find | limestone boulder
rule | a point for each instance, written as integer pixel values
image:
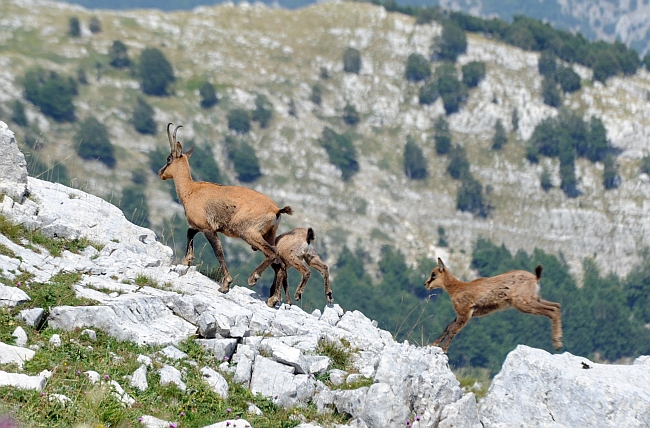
(536, 388)
(12, 296)
(13, 167)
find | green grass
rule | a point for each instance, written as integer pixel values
(474, 379)
(18, 234)
(6, 251)
(94, 405)
(56, 292)
(339, 353)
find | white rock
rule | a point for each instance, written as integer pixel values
(643, 359)
(288, 355)
(238, 331)
(120, 394)
(252, 409)
(55, 340)
(93, 376)
(332, 314)
(144, 360)
(353, 377)
(243, 370)
(277, 382)
(536, 388)
(317, 363)
(215, 381)
(12, 296)
(145, 320)
(23, 381)
(231, 423)
(152, 422)
(222, 349)
(20, 336)
(462, 413)
(139, 378)
(337, 376)
(90, 333)
(173, 353)
(13, 167)
(60, 398)
(15, 354)
(31, 317)
(169, 374)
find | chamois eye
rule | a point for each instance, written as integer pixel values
(433, 275)
(169, 159)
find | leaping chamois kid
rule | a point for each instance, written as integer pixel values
(517, 288)
(235, 211)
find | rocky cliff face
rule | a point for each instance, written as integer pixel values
(274, 351)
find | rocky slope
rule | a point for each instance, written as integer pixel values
(285, 51)
(272, 351)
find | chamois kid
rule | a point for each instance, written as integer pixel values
(517, 288)
(295, 248)
(235, 211)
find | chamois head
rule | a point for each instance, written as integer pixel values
(437, 278)
(176, 158)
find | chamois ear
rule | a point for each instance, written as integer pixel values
(441, 265)
(189, 152)
(179, 150)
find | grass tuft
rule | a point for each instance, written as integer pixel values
(339, 353)
(55, 246)
(474, 379)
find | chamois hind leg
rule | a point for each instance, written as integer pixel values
(304, 271)
(321, 267)
(279, 282)
(214, 241)
(271, 257)
(189, 251)
(551, 310)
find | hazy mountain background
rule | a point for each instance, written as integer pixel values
(376, 221)
(609, 20)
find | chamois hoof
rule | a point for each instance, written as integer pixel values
(558, 345)
(271, 302)
(224, 289)
(297, 296)
(253, 280)
(329, 298)
(187, 262)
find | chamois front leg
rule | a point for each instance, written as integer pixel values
(189, 251)
(279, 279)
(271, 257)
(279, 282)
(450, 331)
(214, 241)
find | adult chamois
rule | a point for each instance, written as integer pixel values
(235, 211)
(295, 248)
(517, 288)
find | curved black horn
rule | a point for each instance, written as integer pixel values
(169, 135)
(179, 126)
